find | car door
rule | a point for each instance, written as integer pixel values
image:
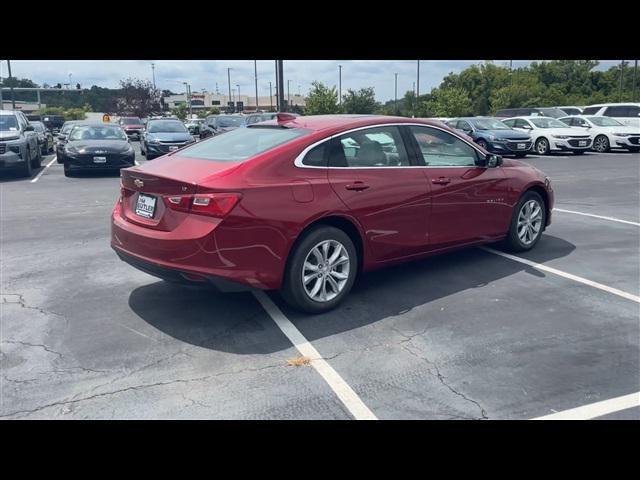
(370, 171)
(469, 202)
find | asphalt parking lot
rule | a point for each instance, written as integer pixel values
(468, 335)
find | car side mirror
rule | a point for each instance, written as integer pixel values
(493, 161)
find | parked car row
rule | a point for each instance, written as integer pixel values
(20, 145)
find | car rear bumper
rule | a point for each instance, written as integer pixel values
(179, 275)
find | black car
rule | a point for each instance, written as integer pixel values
(97, 146)
(53, 122)
(45, 137)
(61, 138)
(163, 136)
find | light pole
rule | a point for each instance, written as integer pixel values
(635, 70)
(153, 73)
(255, 68)
(621, 76)
(229, 80)
(415, 101)
(339, 84)
(280, 86)
(395, 102)
(239, 99)
(188, 93)
(288, 95)
(70, 79)
(270, 98)
(13, 99)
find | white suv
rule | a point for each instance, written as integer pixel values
(627, 113)
(608, 132)
(549, 134)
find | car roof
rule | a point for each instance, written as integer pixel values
(344, 122)
(623, 104)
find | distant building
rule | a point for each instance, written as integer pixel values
(26, 107)
(206, 100)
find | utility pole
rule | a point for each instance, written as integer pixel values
(153, 73)
(288, 95)
(229, 80)
(415, 100)
(279, 88)
(511, 71)
(635, 71)
(270, 98)
(13, 99)
(418, 83)
(255, 68)
(621, 75)
(339, 84)
(395, 102)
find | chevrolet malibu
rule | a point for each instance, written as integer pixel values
(305, 204)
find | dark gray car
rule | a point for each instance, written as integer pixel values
(19, 149)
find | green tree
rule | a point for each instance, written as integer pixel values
(449, 102)
(181, 111)
(138, 97)
(322, 100)
(362, 101)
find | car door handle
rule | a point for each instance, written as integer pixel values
(357, 186)
(441, 180)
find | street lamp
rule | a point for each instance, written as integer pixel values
(340, 84)
(229, 80)
(188, 93)
(395, 103)
(153, 73)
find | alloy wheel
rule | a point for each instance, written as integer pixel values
(529, 222)
(601, 144)
(326, 270)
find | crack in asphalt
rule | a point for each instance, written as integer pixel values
(27, 344)
(22, 302)
(135, 388)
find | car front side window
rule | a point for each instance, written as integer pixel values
(441, 149)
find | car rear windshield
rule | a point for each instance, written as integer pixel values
(553, 112)
(171, 126)
(225, 122)
(131, 121)
(547, 122)
(238, 145)
(489, 124)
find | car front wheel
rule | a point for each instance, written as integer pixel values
(542, 146)
(601, 144)
(321, 270)
(527, 223)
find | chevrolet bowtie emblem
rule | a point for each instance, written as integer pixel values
(139, 183)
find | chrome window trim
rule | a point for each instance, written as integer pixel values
(298, 160)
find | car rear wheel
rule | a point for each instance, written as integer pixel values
(527, 223)
(542, 146)
(67, 170)
(36, 162)
(28, 165)
(321, 270)
(601, 144)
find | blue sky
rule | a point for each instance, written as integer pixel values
(204, 74)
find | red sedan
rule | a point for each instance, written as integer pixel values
(303, 204)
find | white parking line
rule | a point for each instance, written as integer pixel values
(47, 166)
(597, 216)
(575, 278)
(597, 409)
(345, 393)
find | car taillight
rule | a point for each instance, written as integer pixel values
(211, 204)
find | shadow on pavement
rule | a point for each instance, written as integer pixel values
(235, 323)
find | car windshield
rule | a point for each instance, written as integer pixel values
(242, 143)
(225, 122)
(89, 132)
(547, 122)
(169, 126)
(131, 121)
(489, 124)
(37, 126)
(605, 121)
(67, 127)
(553, 112)
(8, 122)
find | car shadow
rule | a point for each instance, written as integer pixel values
(235, 323)
(8, 176)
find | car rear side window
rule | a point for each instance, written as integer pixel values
(242, 143)
(372, 147)
(441, 149)
(617, 111)
(590, 110)
(316, 157)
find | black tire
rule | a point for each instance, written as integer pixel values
(27, 168)
(37, 161)
(483, 144)
(541, 146)
(513, 241)
(293, 290)
(67, 171)
(602, 143)
(44, 150)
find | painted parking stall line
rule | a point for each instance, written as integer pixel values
(570, 276)
(612, 219)
(345, 393)
(37, 177)
(598, 409)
